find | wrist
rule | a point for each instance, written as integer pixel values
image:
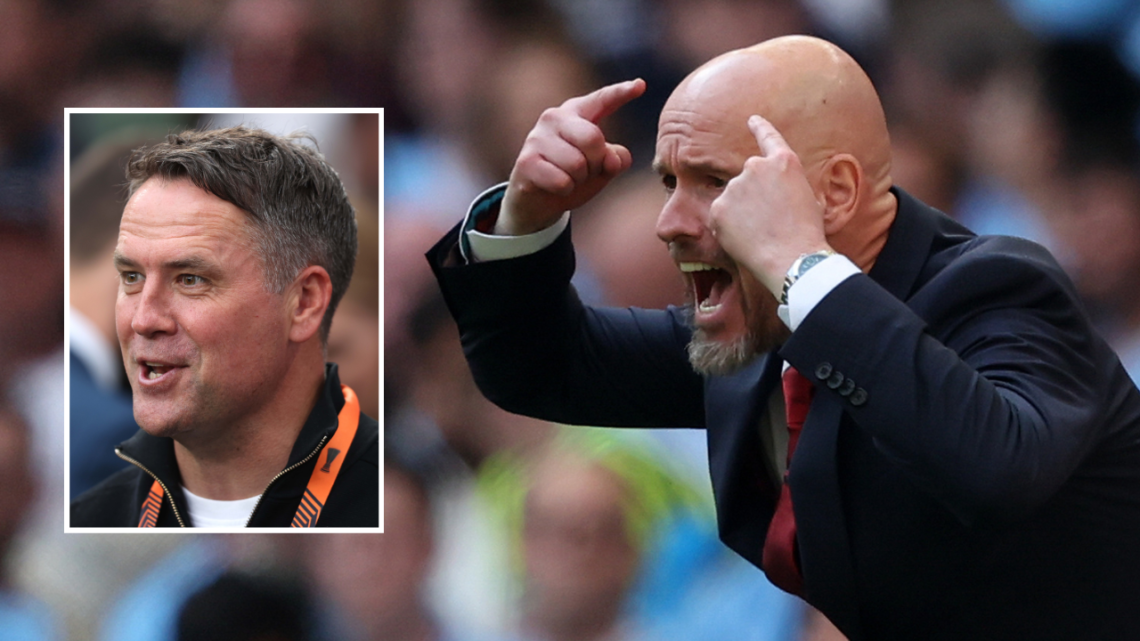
(510, 221)
(800, 266)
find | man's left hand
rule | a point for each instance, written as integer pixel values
(768, 216)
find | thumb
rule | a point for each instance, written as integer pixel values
(617, 159)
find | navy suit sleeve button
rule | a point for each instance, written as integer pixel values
(846, 388)
(823, 370)
(858, 397)
(835, 380)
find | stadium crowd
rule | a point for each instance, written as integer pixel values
(1017, 117)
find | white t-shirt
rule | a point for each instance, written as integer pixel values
(210, 513)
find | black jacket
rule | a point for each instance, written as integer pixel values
(353, 502)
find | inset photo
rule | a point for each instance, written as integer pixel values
(224, 320)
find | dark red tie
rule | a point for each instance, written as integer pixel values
(779, 560)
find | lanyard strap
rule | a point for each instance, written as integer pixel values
(320, 483)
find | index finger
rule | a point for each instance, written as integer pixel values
(603, 102)
(768, 137)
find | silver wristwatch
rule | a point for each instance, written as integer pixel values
(801, 267)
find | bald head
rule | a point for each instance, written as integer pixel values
(812, 91)
(821, 103)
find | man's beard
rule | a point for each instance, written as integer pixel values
(765, 332)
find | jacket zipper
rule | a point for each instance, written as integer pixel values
(283, 473)
(165, 490)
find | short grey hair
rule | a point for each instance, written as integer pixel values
(300, 212)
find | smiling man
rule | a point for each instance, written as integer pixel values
(234, 249)
(912, 427)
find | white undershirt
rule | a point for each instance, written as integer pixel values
(210, 513)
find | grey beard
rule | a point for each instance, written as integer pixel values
(711, 358)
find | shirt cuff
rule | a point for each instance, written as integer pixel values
(476, 246)
(485, 247)
(813, 286)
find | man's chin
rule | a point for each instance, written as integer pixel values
(716, 358)
(158, 423)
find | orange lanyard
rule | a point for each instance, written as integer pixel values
(320, 483)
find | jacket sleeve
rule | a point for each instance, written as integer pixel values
(534, 349)
(989, 397)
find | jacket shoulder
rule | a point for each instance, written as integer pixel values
(111, 503)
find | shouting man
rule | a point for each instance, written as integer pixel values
(910, 426)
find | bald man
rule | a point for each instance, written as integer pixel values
(966, 448)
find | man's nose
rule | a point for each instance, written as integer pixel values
(682, 216)
(151, 314)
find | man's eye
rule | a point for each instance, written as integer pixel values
(669, 181)
(189, 280)
(131, 278)
(717, 183)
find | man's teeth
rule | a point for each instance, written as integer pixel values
(155, 370)
(695, 267)
(707, 308)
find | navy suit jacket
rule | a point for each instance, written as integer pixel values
(969, 468)
(99, 421)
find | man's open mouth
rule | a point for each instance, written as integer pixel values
(709, 284)
(152, 370)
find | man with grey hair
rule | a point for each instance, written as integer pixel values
(234, 248)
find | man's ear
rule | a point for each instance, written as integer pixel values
(308, 300)
(842, 182)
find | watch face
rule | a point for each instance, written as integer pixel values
(810, 261)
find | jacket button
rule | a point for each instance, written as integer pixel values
(835, 380)
(823, 370)
(846, 388)
(858, 397)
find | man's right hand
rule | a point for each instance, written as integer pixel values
(565, 161)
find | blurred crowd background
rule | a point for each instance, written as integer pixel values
(1014, 116)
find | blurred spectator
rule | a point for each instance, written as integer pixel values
(696, 31)
(135, 68)
(101, 411)
(378, 582)
(21, 617)
(612, 544)
(617, 239)
(406, 280)
(1096, 102)
(579, 549)
(972, 134)
(240, 606)
(448, 424)
(266, 53)
(443, 53)
(1103, 231)
(526, 78)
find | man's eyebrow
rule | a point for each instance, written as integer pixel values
(122, 262)
(702, 167)
(191, 263)
(709, 167)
